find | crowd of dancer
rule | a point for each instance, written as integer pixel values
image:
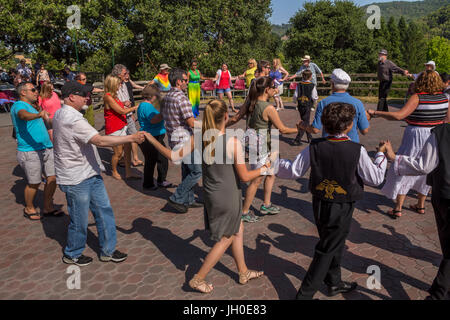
(57, 142)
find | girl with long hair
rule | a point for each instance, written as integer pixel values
(261, 115)
(222, 169)
(116, 125)
(49, 101)
(279, 74)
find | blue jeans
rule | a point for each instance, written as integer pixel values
(89, 194)
(190, 173)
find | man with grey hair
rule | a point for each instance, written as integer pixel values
(179, 120)
(340, 81)
(120, 71)
(34, 150)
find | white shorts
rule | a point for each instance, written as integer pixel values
(119, 133)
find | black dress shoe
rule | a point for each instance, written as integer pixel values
(181, 208)
(344, 287)
(195, 204)
(296, 143)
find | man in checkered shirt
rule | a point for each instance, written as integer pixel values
(179, 120)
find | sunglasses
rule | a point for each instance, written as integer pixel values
(83, 79)
(184, 80)
(32, 90)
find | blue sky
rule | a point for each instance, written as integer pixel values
(283, 10)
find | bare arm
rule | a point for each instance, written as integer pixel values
(283, 70)
(136, 86)
(407, 109)
(156, 119)
(191, 122)
(168, 153)
(116, 107)
(111, 141)
(238, 116)
(365, 131)
(239, 162)
(274, 117)
(27, 116)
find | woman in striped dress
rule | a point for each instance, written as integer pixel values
(425, 109)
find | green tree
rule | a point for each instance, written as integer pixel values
(439, 22)
(334, 34)
(414, 48)
(394, 42)
(439, 51)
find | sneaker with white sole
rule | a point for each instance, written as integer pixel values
(80, 261)
(117, 256)
(270, 209)
(250, 217)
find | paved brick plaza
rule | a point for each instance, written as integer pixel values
(165, 249)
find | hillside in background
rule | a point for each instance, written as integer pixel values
(409, 10)
(280, 30)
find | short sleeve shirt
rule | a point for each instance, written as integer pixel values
(359, 122)
(146, 112)
(175, 111)
(75, 158)
(31, 135)
(314, 68)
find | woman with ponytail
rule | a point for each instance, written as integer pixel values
(260, 117)
(223, 168)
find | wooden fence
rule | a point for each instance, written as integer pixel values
(363, 84)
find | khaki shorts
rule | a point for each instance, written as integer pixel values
(34, 163)
(119, 133)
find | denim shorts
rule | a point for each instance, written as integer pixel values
(223, 90)
(34, 163)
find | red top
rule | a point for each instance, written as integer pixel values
(224, 80)
(113, 120)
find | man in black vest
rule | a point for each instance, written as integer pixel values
(339, 168)
(434, 160)
(306, 96)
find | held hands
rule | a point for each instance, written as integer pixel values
(138, 137)
(44, 115)
(386, 147)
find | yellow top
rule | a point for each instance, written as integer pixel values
(249, 76)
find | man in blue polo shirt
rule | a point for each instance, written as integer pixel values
(34, 151)
(340, 81)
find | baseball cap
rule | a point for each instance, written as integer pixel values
(74, 87)
(383, 51)
(306, 58)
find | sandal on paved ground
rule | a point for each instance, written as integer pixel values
(416, 209)
(30, 215)
(138, 164)
(200, 285)
(249, 275)
(54, 213)
(394, 214)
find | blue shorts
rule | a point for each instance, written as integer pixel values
(223, 90)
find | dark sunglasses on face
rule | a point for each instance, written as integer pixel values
(184, 80)
(33, 89)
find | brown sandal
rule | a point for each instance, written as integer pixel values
(200, 285)
(249, 275)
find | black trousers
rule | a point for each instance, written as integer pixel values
(441, 284)
(305, 114)
(333, 221)
(383, 91)
(152, 158)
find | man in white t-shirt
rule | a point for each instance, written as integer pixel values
(78, 167)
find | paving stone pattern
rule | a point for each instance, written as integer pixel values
(166, 249)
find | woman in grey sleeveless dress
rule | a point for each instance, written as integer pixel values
(223, 168)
